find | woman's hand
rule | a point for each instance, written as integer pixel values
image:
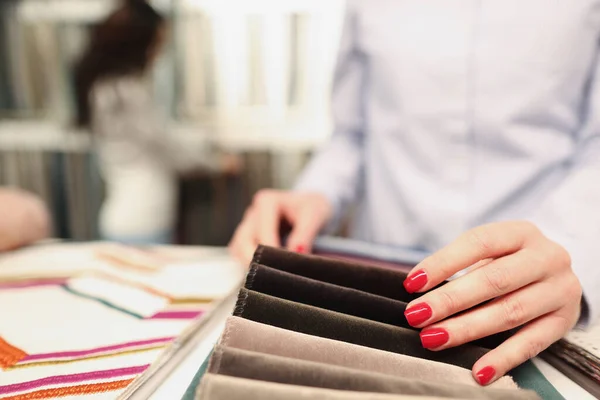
(305, 212)
(528, 279)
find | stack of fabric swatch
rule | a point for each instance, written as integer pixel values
(87, 320)
(577, 356)
(313, 327)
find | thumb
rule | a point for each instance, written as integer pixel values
(307, 225)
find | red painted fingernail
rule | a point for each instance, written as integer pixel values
(300, 249)
(485, 375)
(415, 281)
(418, 314)
(434, 337)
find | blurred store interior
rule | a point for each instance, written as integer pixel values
(250, 79)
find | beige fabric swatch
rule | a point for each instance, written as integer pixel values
(250, 335)
(270, 368)
(220, 387)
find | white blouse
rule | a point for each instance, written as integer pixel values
(453, 113)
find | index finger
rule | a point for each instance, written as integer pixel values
(486, 241)
(307, 225)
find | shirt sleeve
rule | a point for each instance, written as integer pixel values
(571, 214)
(336, 168)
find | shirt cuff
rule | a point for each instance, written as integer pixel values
(333, 225)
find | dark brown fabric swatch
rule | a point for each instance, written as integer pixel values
(316, 321)
(381, 281)
(300, 289)
(373, 293)
(265, 367)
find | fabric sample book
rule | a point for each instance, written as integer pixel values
(333, 325)
(578, 356)
(93, 318)
(314, 327)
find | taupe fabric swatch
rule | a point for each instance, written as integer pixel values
(250, 335)
(221, 387)
(316, 321)
(265, 367)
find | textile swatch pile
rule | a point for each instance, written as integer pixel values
(309, 327)
(88, 320)
(577, 356)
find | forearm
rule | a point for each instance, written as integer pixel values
(23, 219)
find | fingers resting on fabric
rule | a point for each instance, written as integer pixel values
(306, 212)
(516, 278)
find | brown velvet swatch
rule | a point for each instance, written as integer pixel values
(350, 288)
(250, 335)
(333, 325)
(300, 289)
(221, 387)
(265, 367)
(384, 282)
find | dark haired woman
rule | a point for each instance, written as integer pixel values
(137, 158)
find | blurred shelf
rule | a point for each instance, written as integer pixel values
(43, 136)
(235, 137)
(80, 11)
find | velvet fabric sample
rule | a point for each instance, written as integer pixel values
(270, 368)
(384, 282)
(221, 387)
(333, 325)
(350, 288)
(249, 335)
(300, 289)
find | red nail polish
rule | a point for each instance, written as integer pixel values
(485, 375)
(434, 337)
(415, 281)
(418, 314)
(300, 249)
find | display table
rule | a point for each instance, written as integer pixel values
(174, 373)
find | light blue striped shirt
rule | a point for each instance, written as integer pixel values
(452, 114)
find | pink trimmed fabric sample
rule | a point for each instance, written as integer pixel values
(86, 326)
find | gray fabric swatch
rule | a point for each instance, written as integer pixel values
(221, 387)
(265, 367)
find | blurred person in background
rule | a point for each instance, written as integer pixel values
(24, 219)
(138, 159)
(472, 120)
